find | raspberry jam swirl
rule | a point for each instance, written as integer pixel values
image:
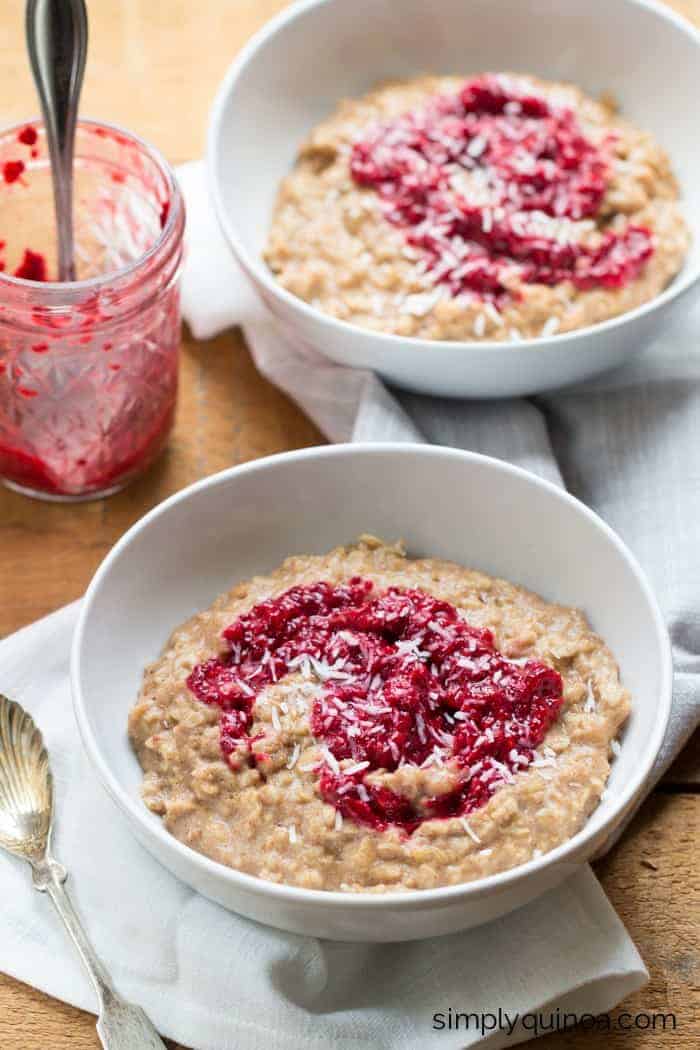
(405, 681)
(494, 183)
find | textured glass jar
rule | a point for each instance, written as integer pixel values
(88, 369)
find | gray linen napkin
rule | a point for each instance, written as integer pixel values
(627, 444)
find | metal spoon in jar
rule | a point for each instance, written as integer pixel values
(57, 36)
(26, 815)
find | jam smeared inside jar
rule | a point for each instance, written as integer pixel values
(405, 681)
(88, 369)
(12, 170)
(28, 136)
(496, 184)
(32, 267)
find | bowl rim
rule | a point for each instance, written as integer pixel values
(253, 266)
(569, 850)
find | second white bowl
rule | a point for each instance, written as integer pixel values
(295, 70)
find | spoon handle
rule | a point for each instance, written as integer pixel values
(57, 35)
(120, 1025)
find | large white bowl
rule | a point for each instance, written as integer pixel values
(477, 511)
(297, 68)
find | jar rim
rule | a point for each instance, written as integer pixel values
(175, 215)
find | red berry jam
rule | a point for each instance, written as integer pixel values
(12, 170)
(32, 267)
(488, 182)
(406, 681)
(28, 136)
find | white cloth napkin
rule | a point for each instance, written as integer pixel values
(215, 981)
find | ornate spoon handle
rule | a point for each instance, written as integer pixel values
(57, 33)
(120, 1025)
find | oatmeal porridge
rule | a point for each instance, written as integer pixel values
(498, 208)
(366, 721)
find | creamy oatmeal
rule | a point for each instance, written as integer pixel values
(365, 721)
(498, 208)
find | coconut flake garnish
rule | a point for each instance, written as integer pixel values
(330, 759)
(550, 327)
(491, 310)
(470, 831)
(421, 303)
(540, 763)
(590, 704)
(294, 756)
(357, 768)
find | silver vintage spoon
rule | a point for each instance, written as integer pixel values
(57, 36)
(26, 814)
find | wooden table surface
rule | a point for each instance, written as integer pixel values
(154, 67)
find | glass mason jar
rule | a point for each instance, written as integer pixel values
(88, 369)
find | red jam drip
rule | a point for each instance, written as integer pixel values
(406, 681)
(32, 267)
(12, 170)
(28, 136)
(527, 161)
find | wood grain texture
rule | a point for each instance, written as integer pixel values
(149, 61)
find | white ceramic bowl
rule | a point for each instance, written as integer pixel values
(451, 504)
(296, 69)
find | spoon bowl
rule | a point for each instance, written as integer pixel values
(26, 784)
